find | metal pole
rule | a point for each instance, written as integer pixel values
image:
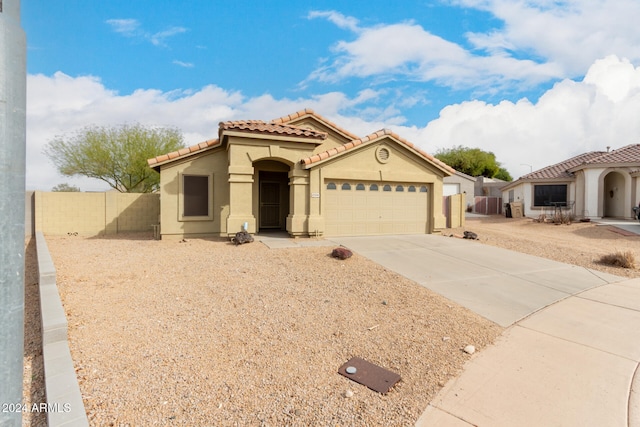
(13, 83)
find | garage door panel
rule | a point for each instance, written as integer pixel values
(349, 211)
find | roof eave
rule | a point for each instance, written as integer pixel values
(271, 136)
(307, 113)
(604, 165)
(156, 162)
(328, 156)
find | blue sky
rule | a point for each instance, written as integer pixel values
(534, 82)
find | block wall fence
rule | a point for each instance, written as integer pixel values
(92, 214)
(453, 208)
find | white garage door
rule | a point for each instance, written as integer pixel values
(366, 208)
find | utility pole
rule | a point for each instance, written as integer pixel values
(13, 94)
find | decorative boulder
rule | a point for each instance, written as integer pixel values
(341, 253)
(470, 235)
(242, 237)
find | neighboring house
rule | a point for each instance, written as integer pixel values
(303, 174)
(592, 185)
(489, 187)
(460, 183)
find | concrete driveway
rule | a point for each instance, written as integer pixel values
(569, 356)
(501, 285)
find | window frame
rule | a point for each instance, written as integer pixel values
(181, 198)
(549, 198)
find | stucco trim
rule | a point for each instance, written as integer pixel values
(385, 134)
(279, 138)
(309, 113)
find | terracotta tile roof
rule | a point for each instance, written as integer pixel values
(374, 136)
(563, 170)
(626, 154)
(279, 126)
(310, 112)
(249, 126)
(183, 152)
(258, 126)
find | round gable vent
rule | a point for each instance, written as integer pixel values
(383, 154)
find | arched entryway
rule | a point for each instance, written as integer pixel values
(271, 195)
(614, 194)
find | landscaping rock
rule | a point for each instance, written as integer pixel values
(469, 349)
(341, 253)
(470, 235)
(242, 237)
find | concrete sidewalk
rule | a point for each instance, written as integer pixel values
(570, 364)
(282, 240)
(571, 350)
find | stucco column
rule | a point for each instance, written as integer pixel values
(316, 190)
(439, 220)
(593, 204)
(240, 199)
(298, 218)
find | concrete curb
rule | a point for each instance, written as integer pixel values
(634, 399)
(64, 400)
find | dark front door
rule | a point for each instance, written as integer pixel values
(269, 204)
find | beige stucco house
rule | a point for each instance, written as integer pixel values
(303, 174)
(592, 185)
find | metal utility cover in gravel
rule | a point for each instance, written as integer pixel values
(373, 376)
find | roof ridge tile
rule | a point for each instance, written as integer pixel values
(311, 112)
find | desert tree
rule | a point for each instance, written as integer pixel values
(116, 155)
(65, 188)
(473, 162)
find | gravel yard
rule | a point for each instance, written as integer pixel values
(206, 333)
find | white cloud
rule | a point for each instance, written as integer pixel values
(340, 20)
(158, 39)
(132, 28)
(407, 51)
(126, 27)
(184, 64)
(569, 119)
(568, 33)
(563, 37)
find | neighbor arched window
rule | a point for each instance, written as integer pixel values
(400, 188)
(360, 187)
(346, 186)
(423, 189)
(373, 187)
(387, 187)
(331, 186)
(412, 189)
